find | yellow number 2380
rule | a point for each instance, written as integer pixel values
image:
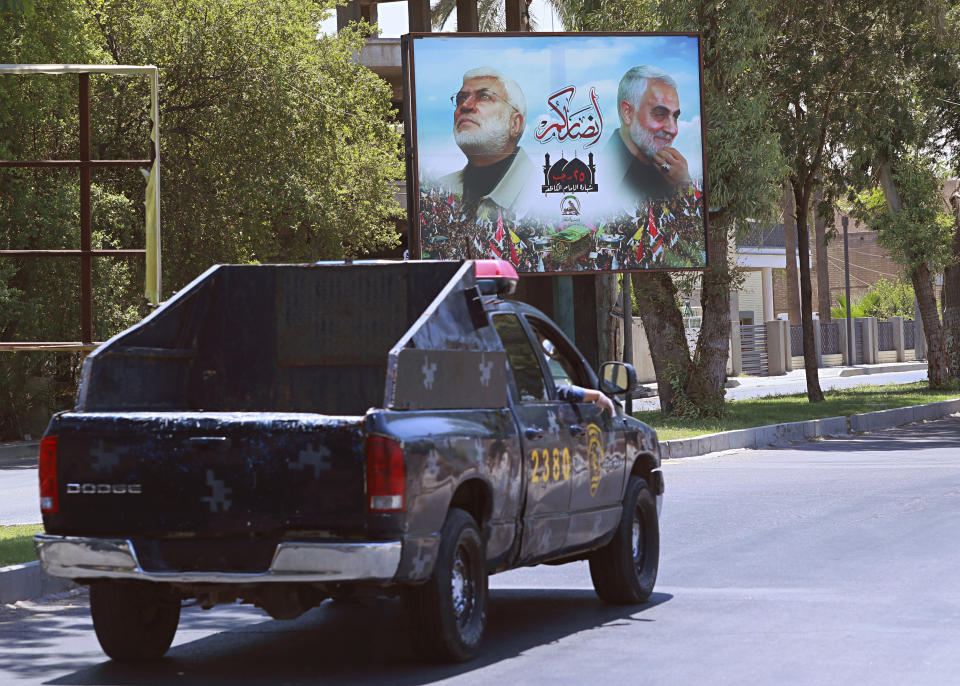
(549, 466)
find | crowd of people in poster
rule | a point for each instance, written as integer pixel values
(624, 200)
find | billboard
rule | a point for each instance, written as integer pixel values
(561, 153)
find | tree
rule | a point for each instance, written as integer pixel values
(951, 293)
(897, 135)
(790, 250)
(814, 65)
(820, 245)
(943, 103)
(275, 146)
(745, 174)
(908, 212)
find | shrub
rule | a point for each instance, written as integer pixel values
(884, 300)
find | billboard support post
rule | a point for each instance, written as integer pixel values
(626, 292)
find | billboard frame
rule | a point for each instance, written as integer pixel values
(408, 75)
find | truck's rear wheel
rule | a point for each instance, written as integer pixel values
(134, 620)
(449, 612)
(625, 570)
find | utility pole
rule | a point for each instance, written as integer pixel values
(846, 274)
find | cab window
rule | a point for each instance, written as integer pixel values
(527, 374)
(564, 365)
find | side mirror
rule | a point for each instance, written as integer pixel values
(617, 377)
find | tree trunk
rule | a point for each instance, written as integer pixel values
(951, 295)
(814, 394)
(823, 260)
(663, 324)
(938, 372)
(706, 384)
(790, 243)
(606, 329)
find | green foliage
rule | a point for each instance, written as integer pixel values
(275, 145)
(24, 7)
(884, 300)
(922, 232)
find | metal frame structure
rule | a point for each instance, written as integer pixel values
(85, 164)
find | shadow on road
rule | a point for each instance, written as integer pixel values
(941, 433)
(344, 642)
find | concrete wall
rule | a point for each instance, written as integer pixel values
(751, 295)
(642, 360)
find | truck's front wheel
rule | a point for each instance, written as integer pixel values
(134, 620)
(449, 612)
(625, 570)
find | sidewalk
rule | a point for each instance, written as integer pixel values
(826, 373)
(794, 381)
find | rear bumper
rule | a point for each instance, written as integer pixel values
(73, 557)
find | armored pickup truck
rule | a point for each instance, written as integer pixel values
(286, 434)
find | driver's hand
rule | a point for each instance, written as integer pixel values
(604, 403)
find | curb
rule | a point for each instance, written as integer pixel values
(29, 581)
(776, 435)
(880, 369)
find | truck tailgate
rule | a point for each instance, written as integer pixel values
(196, 473)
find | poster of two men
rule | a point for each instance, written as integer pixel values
(560, 153)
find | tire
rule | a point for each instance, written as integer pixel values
(625, 570)
(449, 611)
(134, 620)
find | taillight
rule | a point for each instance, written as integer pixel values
(48, 474)
(386, 475)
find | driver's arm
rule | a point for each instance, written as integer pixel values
(578, 394)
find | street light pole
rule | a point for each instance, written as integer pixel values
(846, 274)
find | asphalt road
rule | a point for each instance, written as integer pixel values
(829, 562)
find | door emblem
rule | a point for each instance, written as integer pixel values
(595, 456)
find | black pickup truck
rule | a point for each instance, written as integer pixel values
(285, 434)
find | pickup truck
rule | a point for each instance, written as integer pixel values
(285, 434)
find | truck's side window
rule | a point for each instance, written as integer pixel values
(564, 366)
(523, 360)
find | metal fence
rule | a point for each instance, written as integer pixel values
(909, 335)
(753, 349)
(858, 342)
(796, 339)
(885, 336)
(830, 338)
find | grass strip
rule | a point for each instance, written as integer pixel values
(780, 409)
(16, 543)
